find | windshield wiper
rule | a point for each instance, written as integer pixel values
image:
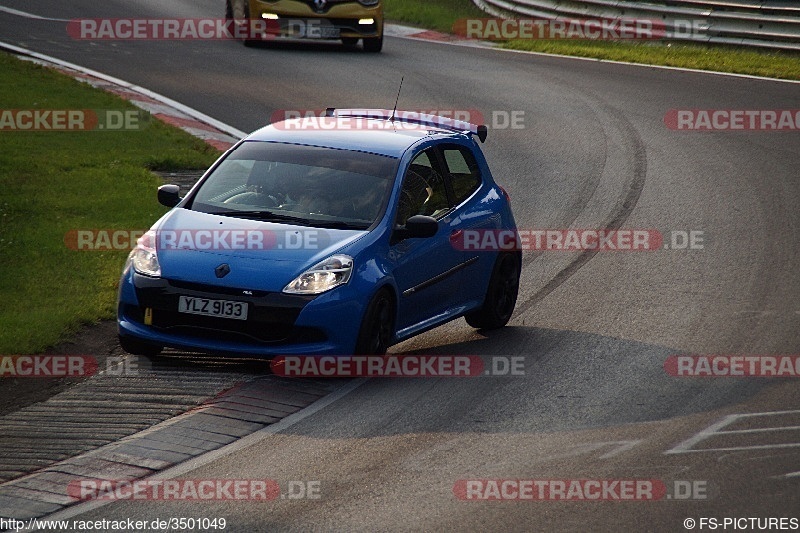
(268, 216)
(337, 224)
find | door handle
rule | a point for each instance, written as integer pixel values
(457, 237)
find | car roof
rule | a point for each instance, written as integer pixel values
(377, 136)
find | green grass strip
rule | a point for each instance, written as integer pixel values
(52, 182)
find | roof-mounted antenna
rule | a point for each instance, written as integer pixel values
(394, 111)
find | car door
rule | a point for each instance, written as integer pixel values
(425, 269)
(463, 177)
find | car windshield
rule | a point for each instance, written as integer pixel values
(306, 185)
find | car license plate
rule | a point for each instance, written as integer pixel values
(328, 32)
(311, 29)
(218, 308)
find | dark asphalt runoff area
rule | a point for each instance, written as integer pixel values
(594, 329)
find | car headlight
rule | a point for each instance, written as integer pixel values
(144, 257)
(323, 276)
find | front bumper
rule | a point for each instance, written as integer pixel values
(311, 28)
(277, 323)
(297, 19)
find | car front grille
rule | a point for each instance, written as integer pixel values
(271, 316)
(323, 8)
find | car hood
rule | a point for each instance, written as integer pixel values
(261, 255)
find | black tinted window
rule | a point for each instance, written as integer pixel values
(423, 191)
(464, 171)
(317, 185)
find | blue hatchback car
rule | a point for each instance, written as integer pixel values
(334, 237)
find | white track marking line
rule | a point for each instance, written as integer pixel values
(771, 413)
(741, 448)
(622, 446)
(28, 15)
(758, 430)
(713, 430)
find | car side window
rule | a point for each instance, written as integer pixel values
(465, 175)
(423, 191)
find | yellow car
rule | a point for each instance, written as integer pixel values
(345, 20)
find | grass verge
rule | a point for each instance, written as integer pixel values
(52, 182)
(436, 15)
(440, 15)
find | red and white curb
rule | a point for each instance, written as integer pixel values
(212, 131)
(417, 34)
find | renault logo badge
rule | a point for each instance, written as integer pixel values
(223, 270)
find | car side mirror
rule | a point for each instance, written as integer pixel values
(417, 227)
(169, 195)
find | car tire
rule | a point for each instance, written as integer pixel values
(246, 17)
(137, 347)
(248, 42)
(501, 296)
(349, 42)
(377, 327)
(373, 45)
